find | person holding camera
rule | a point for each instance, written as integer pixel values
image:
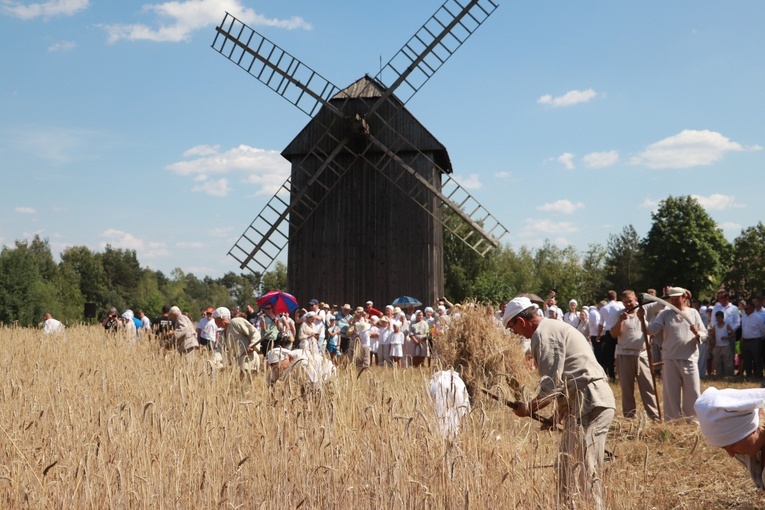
(111, 322)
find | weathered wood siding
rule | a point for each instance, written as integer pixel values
(367, 239)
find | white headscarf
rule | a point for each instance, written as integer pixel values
(729, 415)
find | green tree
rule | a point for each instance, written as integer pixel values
(593, 284)
(623, 260)
(275, 279)
(148, 296)
(123, 272)
(747, 273)
(559, 269)
(24, 295)
(66, 283)
(685, 247)
(39, 250)
(462, 264)
(88, 267)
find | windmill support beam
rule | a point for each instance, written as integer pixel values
(295, 200)
(475, 226)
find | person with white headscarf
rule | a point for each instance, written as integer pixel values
(310, 371)
(129, 326)
(730, 419)
(308, 336)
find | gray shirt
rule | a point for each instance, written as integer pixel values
(678, 340)
(568, 369)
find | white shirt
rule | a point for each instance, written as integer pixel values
(593, 321)
(572, 318)
(385, 333)
(732, 316)
(752, 327)
(210, 332)
(609, 314)
(52, 325)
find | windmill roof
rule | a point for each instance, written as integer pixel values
(367, 89)
(364, 87)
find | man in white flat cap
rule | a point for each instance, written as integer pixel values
(572, 379)
(680, 341)
(730, 419)
(239, 341)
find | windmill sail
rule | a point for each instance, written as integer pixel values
(432, 45)
(272, 66)
(341, 134)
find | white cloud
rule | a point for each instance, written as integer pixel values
(538, 242)
(600, 159)
(687, 149)
(194, 244)
(730, 225)
(177, 20)
(127, 241)
(62, 46)
(562, 206)
(567, 160)
(265, 168)
(47, 9)
(216, 188)
(649, 204)
(26, 210)
(472, 181)
(718, 202)
(534, 227)
(220, 231)
(570, 98)
(503, 175)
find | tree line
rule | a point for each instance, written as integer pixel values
(32, 283)
(684, 247)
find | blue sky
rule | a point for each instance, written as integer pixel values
(568, 121)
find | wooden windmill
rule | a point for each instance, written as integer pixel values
(361, 211)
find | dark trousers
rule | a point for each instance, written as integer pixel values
(609, 354)
(751, 357)
(597, 349)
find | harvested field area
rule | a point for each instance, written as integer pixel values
(87, 422)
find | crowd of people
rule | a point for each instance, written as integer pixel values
(316, 339)
(628, 337)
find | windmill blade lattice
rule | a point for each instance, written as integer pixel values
(268, 234)
(274, 67)
(431, 46)
(407, 72)
(472, 223)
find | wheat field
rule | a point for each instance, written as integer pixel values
(90, 422)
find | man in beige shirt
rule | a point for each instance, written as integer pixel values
(632, 360)
(184, 333)
(239, 341)
(572, 379)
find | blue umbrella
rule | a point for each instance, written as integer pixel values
(405, 301)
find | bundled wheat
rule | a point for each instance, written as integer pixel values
(485, 355)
